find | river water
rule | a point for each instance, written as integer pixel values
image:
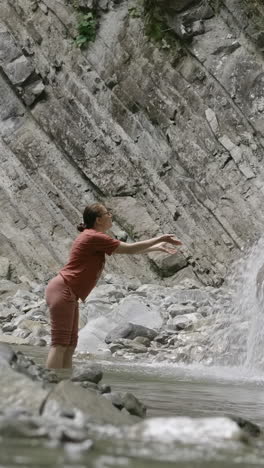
(167, 391)
(176, 391)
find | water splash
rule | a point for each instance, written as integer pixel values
(239, 333)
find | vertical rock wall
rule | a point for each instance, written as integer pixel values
(170, 134)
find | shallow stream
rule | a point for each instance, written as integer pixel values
(171, 390)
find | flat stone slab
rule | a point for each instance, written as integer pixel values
(19, 391)
(67, 395)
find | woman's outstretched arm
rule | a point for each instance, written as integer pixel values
(144, 246)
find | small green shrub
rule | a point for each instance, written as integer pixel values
(86, 29)
(135, 12)
(156, 28)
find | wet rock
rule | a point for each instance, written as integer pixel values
(162, 338)
(19, 390)
(67, 395)
(35, 341)
(27, 428)
(127, 401)
(133, 405)
(115, 398)
(10, 339)
(27, 366)
(184, 321)
(92, 374)
(249, 427)
(104, 388)
(90, 385)
(6, 353)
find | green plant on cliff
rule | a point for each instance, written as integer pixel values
(86, 28)
(216, 5)
(155, 23)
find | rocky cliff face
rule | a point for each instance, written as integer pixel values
(168, 130)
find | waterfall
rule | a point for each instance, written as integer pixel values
(238, 336)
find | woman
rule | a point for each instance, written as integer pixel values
(80, 275)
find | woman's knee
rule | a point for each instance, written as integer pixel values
(70, 349)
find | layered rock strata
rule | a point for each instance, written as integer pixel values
(169, 133)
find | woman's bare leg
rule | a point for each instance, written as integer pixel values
(67, 358)
(55, 357)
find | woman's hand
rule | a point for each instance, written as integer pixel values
(162, 247)
(170, 239)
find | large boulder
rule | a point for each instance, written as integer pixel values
(127, 401)
(137, 310)
(18, 390)
(130, 331)
(67, 395)
(89, 373)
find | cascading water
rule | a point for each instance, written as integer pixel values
(231, 328)
(239, 330)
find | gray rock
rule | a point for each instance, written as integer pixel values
(180, 309)
(9, 328)
(116, 399)
(104, 388)
(27, 428)
(127, 401)
(7, 287)
(130, 331)
(89, 385)
(249, 427)
(184, 321)
(133, 405)
(142, 340)
(32, 92)
(18, 70)
(197, 28)
(6, 353)
(121, 331)
(172, 264)
(4, 268)
(128, 345)
(19, 390)
(9, 50)
(67, 395)
(92, 374)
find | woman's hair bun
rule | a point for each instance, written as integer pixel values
(81, 227)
